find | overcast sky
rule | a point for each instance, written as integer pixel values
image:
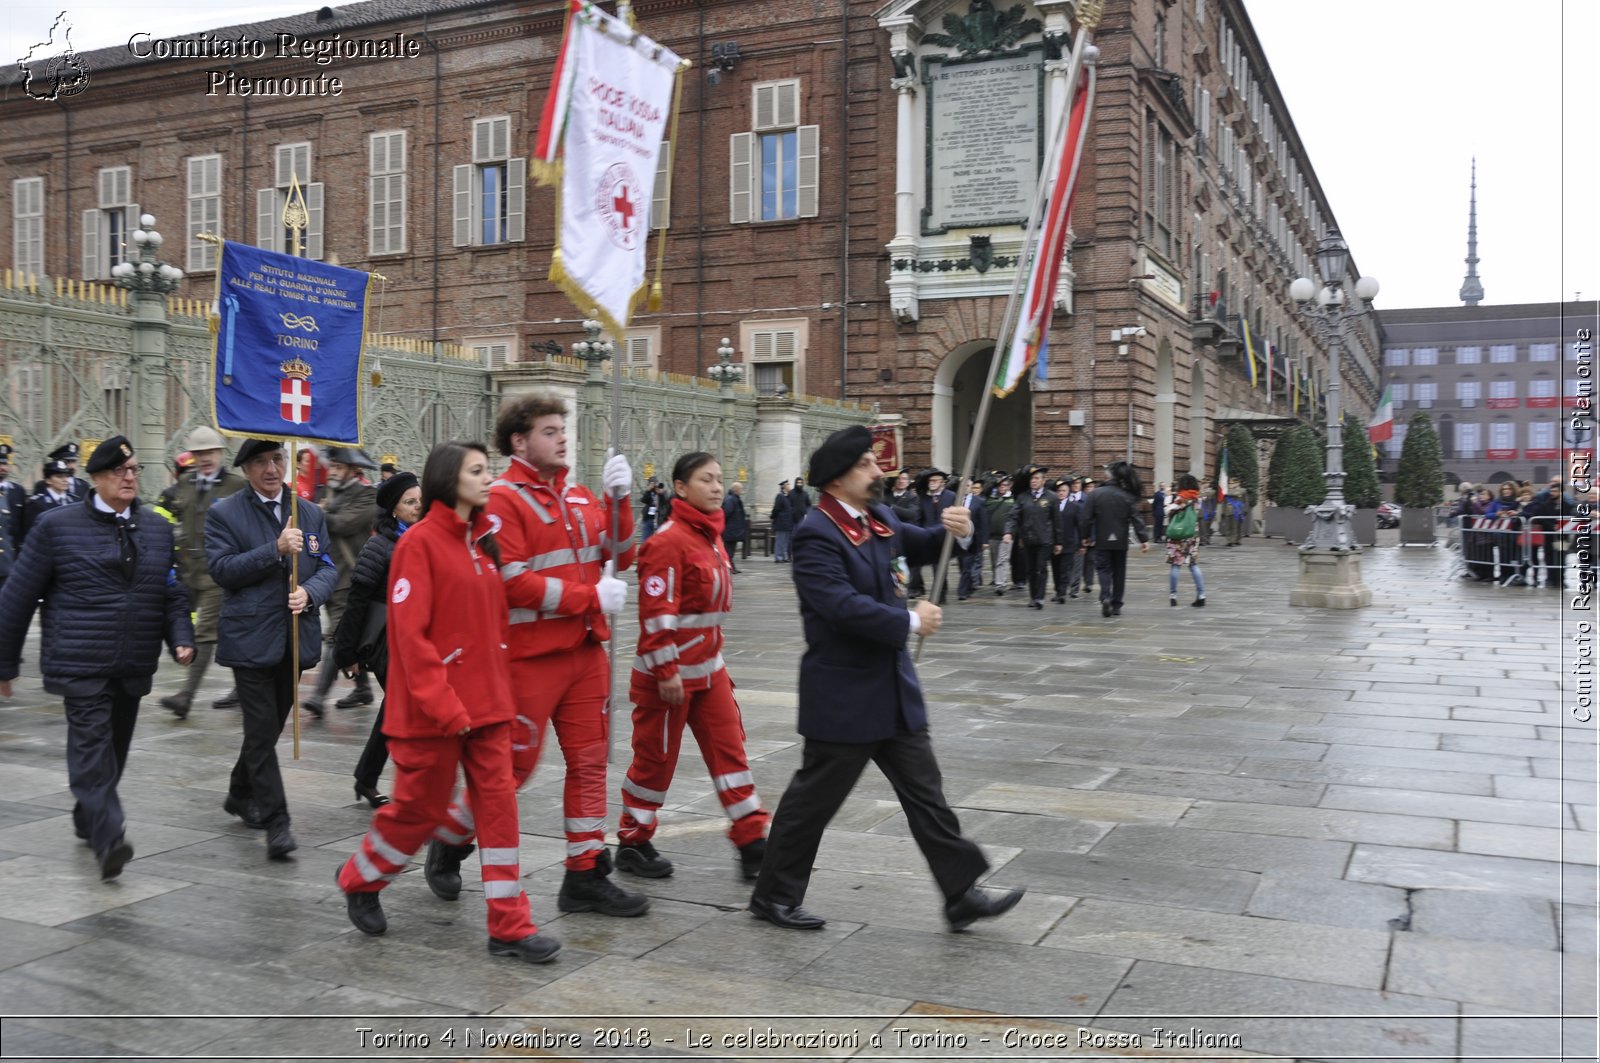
(1392, 99)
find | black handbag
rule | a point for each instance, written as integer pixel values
(373, 649)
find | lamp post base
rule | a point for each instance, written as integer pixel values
(1330, 580)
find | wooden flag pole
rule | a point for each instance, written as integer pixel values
(1088, 13)
(295, 219)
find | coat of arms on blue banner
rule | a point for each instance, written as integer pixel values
(288, 347)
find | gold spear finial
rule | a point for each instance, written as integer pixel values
(1089, 13)
(295, 216)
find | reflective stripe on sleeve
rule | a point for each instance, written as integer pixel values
(492, 857)
(700, 671)
(552, 595)
(701, 619)
(741, 809)
(552, 559)
(499, 891)
(584, 824)
(665, 622)
(524, 616)
(642, 816)
(579, 848)
(647, 661)
(385, 850)
(513, 570)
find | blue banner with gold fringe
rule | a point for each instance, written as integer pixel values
(288, 347)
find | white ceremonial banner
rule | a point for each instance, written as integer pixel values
(618, 103)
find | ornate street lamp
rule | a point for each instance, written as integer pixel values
(594, 350)
(149, 281)
(725, 372)
(1330, 561)
(148, 276)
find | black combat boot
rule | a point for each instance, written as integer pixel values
(592, 891)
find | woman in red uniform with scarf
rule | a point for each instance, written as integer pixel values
(449, 704)
(686, 594)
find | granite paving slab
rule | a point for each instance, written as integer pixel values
(1214, 848)
(1295, 1018)
(1335, 955)
(1476, 972)
(1535, 843)
(1014, 830)
(1474, 915)
(1354, 775)
(1076, 804)
(1328, 824)
(1145, 881)
(49, 892)
(1304, 898)
(29, 941)
(1422, 868)
(1501, 1034)
(1447, 806)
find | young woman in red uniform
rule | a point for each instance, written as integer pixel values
(449, 704)
(686, 593)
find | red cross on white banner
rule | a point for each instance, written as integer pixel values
(294, 400)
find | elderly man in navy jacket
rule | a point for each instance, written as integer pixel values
(249, 547)
(103, 566)
(859, 695)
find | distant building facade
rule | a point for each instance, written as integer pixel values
(845, 202)
(1500, 382)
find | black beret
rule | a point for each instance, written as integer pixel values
(112, 454)
(390, 490)
(390, 466)
(838, 454)
(65, 452)
(252, 447)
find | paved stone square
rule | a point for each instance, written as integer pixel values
(1263, 831)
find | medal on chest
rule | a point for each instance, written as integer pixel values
(900, 572)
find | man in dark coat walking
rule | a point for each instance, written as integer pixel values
(859, 695)
(782, 518)
(249, 547)
(735, 522)
(104, 569)
(1032, 524)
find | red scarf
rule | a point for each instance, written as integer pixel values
(708, 524)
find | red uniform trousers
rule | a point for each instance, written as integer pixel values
(570, 690)
(713, 716)
(425, 773)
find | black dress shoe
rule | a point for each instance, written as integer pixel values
(178, 704)
(280, 841)
(1105, 608)
(535, 948)
(370, 795)
(789, 916)
(1116, 610)
(751, 857)
(975, 904)
(112, 860)
(1037, 603)
(1060, 599)
(355, 699)
(245, 810)
(230, 700)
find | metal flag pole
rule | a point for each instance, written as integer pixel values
(295, 219)
(617, 546)
(1088, 15)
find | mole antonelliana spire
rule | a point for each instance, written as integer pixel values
(1472, 288)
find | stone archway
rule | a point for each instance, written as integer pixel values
(958, 388)
(1197, 420)
(1166, 414)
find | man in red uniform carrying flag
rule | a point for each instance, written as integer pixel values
(558, 549)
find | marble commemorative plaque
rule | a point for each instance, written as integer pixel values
(983, 139)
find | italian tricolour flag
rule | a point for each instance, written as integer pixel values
(1381, 427)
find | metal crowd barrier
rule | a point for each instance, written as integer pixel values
(1516, 550)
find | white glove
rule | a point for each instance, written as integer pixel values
(617, 476)
(612, 591)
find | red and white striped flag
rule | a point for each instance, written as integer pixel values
(1031, 339)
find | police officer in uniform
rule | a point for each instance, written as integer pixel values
(249, 547)
(12, 500)
(55, 492)
(859, 695)
(349, 504)
(207, 482)
(103, 568)
(1033, 524)
(67, 455)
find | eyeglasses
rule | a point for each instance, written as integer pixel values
(126, 471)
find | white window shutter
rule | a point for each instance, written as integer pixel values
(124, 184)
(269, 227)
(284, 166)
(482, 135)
(462, 197)
(788, 104)
(94, 251)
(761, 346)
(807, 141)
(500, 139)
(660, 198)
(766, 106)
(314, 202)
(516, 199)
(783, 344)
(377, 213)
(129, 252)
(302, 163)
(638, 350)
(741, 177)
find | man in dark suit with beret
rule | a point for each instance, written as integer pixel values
(859, 695)
(249, 547)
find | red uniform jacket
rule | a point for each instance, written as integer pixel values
(685, 594)
(554, 538)
(448, 666)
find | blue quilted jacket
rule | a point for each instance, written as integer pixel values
(98, 619)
